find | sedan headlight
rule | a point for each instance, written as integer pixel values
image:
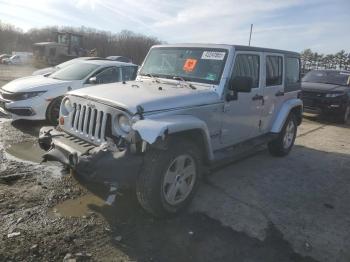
(334, 94)
(124, 123)
(27, 95)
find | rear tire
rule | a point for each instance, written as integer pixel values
(169, 178)
(53, 111)
(282, 145)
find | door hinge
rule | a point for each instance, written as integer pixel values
(260, 123)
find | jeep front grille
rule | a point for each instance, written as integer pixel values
(90, 123)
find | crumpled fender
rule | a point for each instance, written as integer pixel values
(283, 114)
(150, 129)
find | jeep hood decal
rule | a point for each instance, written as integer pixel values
(149, 95)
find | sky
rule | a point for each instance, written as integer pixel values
(322, 25)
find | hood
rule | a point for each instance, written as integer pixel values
(321, 87)
(33, 83)
(150, 95)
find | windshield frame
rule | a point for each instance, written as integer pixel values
(186, 78)
(338, 72)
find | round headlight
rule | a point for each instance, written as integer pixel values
(66, 107)
(124, 124)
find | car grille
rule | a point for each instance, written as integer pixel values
(90, 123)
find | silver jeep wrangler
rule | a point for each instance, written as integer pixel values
(192, 106)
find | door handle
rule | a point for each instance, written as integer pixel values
(279, 93)
(257, 97)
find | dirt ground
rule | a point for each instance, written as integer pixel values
(260, 208)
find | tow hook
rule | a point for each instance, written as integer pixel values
(45, 140)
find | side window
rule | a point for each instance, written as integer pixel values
(247, 65)
(109, 75)
(129, 73)
(292, 71)
(274, 70)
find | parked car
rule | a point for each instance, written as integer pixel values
(120, 59)
(39, 97)
(191, 107)
(50, 70)
(13, 60)
(4, 56)
(327, 92)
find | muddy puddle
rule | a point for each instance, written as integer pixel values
(27, 151)
(79, 207)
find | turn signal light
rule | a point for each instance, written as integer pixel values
(61, 121)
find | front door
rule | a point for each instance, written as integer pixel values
(241, 117)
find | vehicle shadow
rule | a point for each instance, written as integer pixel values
(297, 197)
(29, 127)
(325, 119)
(303, 195)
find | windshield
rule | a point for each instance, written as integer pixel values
(76, 71)
(69, 62)
(328, 77)
(204, 65)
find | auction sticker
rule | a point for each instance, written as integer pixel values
(189, 65)
(212, 55)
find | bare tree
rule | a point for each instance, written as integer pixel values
(125, 43)
(311, 60)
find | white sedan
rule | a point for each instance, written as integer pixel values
(39, 97)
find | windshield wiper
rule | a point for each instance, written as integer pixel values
(152, 76)
(184, 81)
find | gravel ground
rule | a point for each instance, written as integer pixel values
(258, 209)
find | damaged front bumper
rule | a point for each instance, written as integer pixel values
(102, 164)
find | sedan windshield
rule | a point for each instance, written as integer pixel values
(204, 65)
(68, 63)
(328, 77)
(76, 71)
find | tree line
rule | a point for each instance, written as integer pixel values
(125, 43)
(314, 60)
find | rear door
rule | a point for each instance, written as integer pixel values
(273, 89)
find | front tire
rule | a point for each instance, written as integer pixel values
(53, 111)
(169, 178)
(282, 145)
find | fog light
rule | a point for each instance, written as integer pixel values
(61, 121)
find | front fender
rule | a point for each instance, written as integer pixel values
(150, 129)
(283, 114)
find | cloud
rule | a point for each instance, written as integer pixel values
(287, 24)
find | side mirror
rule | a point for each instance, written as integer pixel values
(243, 84)
(93, 80)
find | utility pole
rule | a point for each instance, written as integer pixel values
(250, 35)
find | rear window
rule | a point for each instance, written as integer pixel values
(274, 70)
(292, 71)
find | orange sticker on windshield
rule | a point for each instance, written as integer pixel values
(190, 65)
